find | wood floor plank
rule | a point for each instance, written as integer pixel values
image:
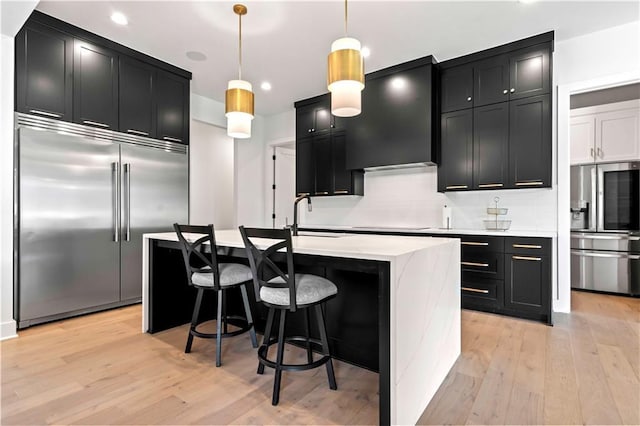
(453, 401)
(623, 383)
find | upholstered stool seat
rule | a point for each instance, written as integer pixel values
(285, 292)
(206, 274)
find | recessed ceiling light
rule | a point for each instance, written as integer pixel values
(265, 85)
(196, 56)
(365, 52)
(119, 18)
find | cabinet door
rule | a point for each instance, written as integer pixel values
(44, 82)
(455, 170)
(172, 100)
(342, 183)
(491, 81)
(618, 135)
(305, 167)
(314, 118)
(490, 146)
(527, 283)
(304, 121)
(582, 135)
(456, 88)
(137, 115)
(95, 86)
(529, 71)
(530, 143)
(323, 164)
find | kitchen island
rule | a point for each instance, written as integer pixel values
(397, 310)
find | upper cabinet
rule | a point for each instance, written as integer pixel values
(605, 133)
(44, 78)
(70, 74)
(504, 142)
(398, 124)
(314, 118)
(95, 86)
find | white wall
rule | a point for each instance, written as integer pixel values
(211, 193)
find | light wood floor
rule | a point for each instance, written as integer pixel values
(100, 369)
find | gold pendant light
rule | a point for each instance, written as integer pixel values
(239, 97)
(345, 76)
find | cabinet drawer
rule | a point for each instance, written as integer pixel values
(487, 293)
(481, 243)
(528, 246)
(482, 265)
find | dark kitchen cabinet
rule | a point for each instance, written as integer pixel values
(305, 167)
(456, 88)
(528, 277)
(323, 164)
(314, 117)
(530, 142)
(530, 72)
(490, 146)
(344, 181)
(398, 124)
(95, 86)
(136, 105)
(491, 81)
(456, 165)
(172, 103)
(44, 78)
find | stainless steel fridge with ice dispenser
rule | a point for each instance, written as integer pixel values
(83, 199)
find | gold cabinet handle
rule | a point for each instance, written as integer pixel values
(490, 185)
(457, 187)
(482, 265)
(322, 193)
(95, 123)
(341, 191)
(475, 290)
(170, 139)
(534, 259)
(303, 193)
(531, 183)
(48, 114)
(593, 153)
(473, 243)
(527, 246)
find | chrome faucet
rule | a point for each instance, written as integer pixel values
(294, 227)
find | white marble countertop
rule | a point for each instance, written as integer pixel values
(354, 246)
(416, 230)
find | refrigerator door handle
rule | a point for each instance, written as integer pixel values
(115, 181)
(619, 255)
(127, 181)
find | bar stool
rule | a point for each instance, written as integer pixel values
(205, 273)
(285, 292)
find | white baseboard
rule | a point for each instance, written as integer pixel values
(8, 330)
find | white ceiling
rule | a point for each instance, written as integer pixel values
(287, 42)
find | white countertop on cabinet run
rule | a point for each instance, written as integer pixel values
(444, 232)
(423, 297)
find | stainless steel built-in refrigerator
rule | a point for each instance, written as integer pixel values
(84, 197)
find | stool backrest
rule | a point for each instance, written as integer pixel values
(197, 258)
(263, 262)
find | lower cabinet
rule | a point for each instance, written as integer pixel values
(507, 275)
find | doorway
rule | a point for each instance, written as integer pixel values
(284, 185)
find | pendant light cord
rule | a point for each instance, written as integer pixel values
(239, 47)
(345, 18)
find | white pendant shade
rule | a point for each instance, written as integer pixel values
(346, 98)
(238, 122)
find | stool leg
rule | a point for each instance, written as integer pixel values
(247, 312)
(224, 312)
(219, 329)
(306, 330)
(325, 347)
(278, 376)
(194, 320)
(267, 337)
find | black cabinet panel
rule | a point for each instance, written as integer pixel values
(323, 164)
(396, 124)
(490, 146)
(314, 118)
(172, 100)
(456, 88)
(491, 81)
(344, 181)
(530, 142)
(527, 284)
(530, 73)
(95, 86)
(305, 167)
(456, 150)
(136, 108)
(44, 61)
